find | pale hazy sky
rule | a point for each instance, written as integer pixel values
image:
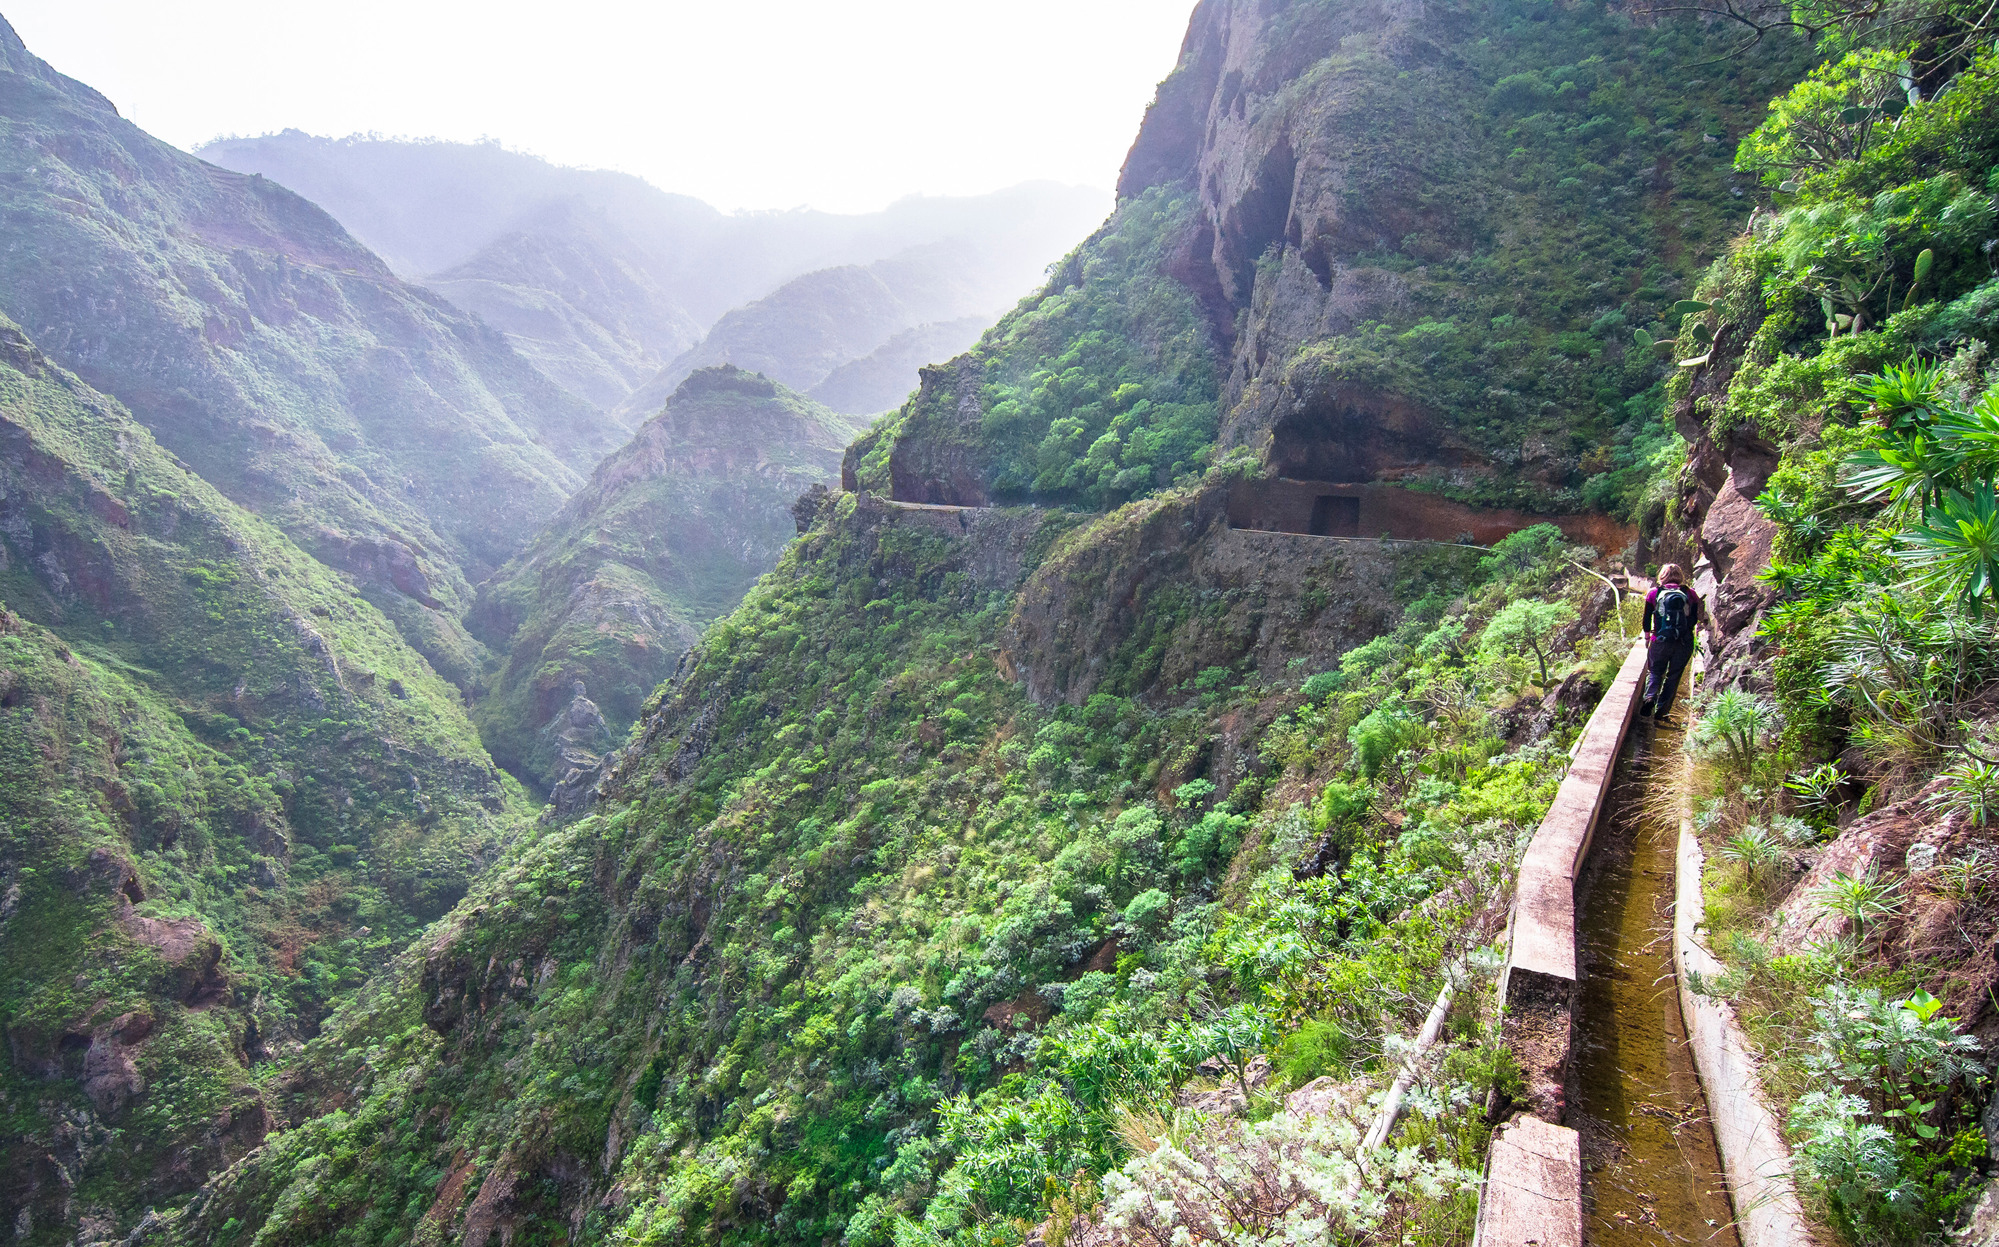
(838, 104)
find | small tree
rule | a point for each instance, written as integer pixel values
(1528, 627)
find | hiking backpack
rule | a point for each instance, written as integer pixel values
(1673, 614)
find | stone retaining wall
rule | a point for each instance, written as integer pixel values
(1539, 982)
(1374, 509)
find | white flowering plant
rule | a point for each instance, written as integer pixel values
(1293, 1179)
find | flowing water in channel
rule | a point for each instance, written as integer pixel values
(1650, 1170)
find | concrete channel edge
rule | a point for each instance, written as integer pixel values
(1753, 1153)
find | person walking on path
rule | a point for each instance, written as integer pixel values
(1672, 612)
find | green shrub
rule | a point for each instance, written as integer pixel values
(1315, 1049)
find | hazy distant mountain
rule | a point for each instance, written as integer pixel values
(574, 293)
(603, 280)
(386, 431)
(882, 379)
(813, 325)
(426, 206)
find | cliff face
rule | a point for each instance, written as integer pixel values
(1426, 233)
(230, 792)
(669, 534)
(1419, 238)
(386, 432)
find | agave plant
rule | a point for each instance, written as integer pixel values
(1907, 665)
(1904, 394)
(1796, 830)
(1817, 790)
(1910, 471)
(1975, 431)
(1971, 784)
(1732, 730)
(1933, 464)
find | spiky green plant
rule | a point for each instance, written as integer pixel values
(1755, 849)
(1732, 731)
(1859, 899)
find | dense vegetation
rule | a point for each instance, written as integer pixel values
(856, 912)
(189, 719)
(1102, 387)
(1850, 331)
(870, 937)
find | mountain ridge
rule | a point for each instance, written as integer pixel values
(190, 706)
(668, 534)
(862, 937)
(273, 352)
(606, 280)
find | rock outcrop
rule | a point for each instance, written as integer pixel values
(1418, 240)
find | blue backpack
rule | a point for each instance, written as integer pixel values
(1673, 614)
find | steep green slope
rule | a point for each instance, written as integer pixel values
(850, 873)
(387, 433)
(230, 791)
(670, 533)
(929, 899)
(1102, 387)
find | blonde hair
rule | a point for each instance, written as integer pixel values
(1671, 574)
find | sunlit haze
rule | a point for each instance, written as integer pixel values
(845, 105)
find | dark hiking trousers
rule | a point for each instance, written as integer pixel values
(1663, 665)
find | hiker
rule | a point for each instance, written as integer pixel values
(1672, 612)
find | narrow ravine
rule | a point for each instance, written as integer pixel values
(1651, 1171)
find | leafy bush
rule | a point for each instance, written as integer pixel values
(1014, 1139)
(1316, 1048)
(1322, 685)
(1521, 551)
(1385, 732)
(1876, 1137)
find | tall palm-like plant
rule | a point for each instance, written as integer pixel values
(1933, 463)
(1955, 550)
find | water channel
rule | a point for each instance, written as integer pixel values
(1651, 1173)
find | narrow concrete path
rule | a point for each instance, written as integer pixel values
(1651, 1171)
